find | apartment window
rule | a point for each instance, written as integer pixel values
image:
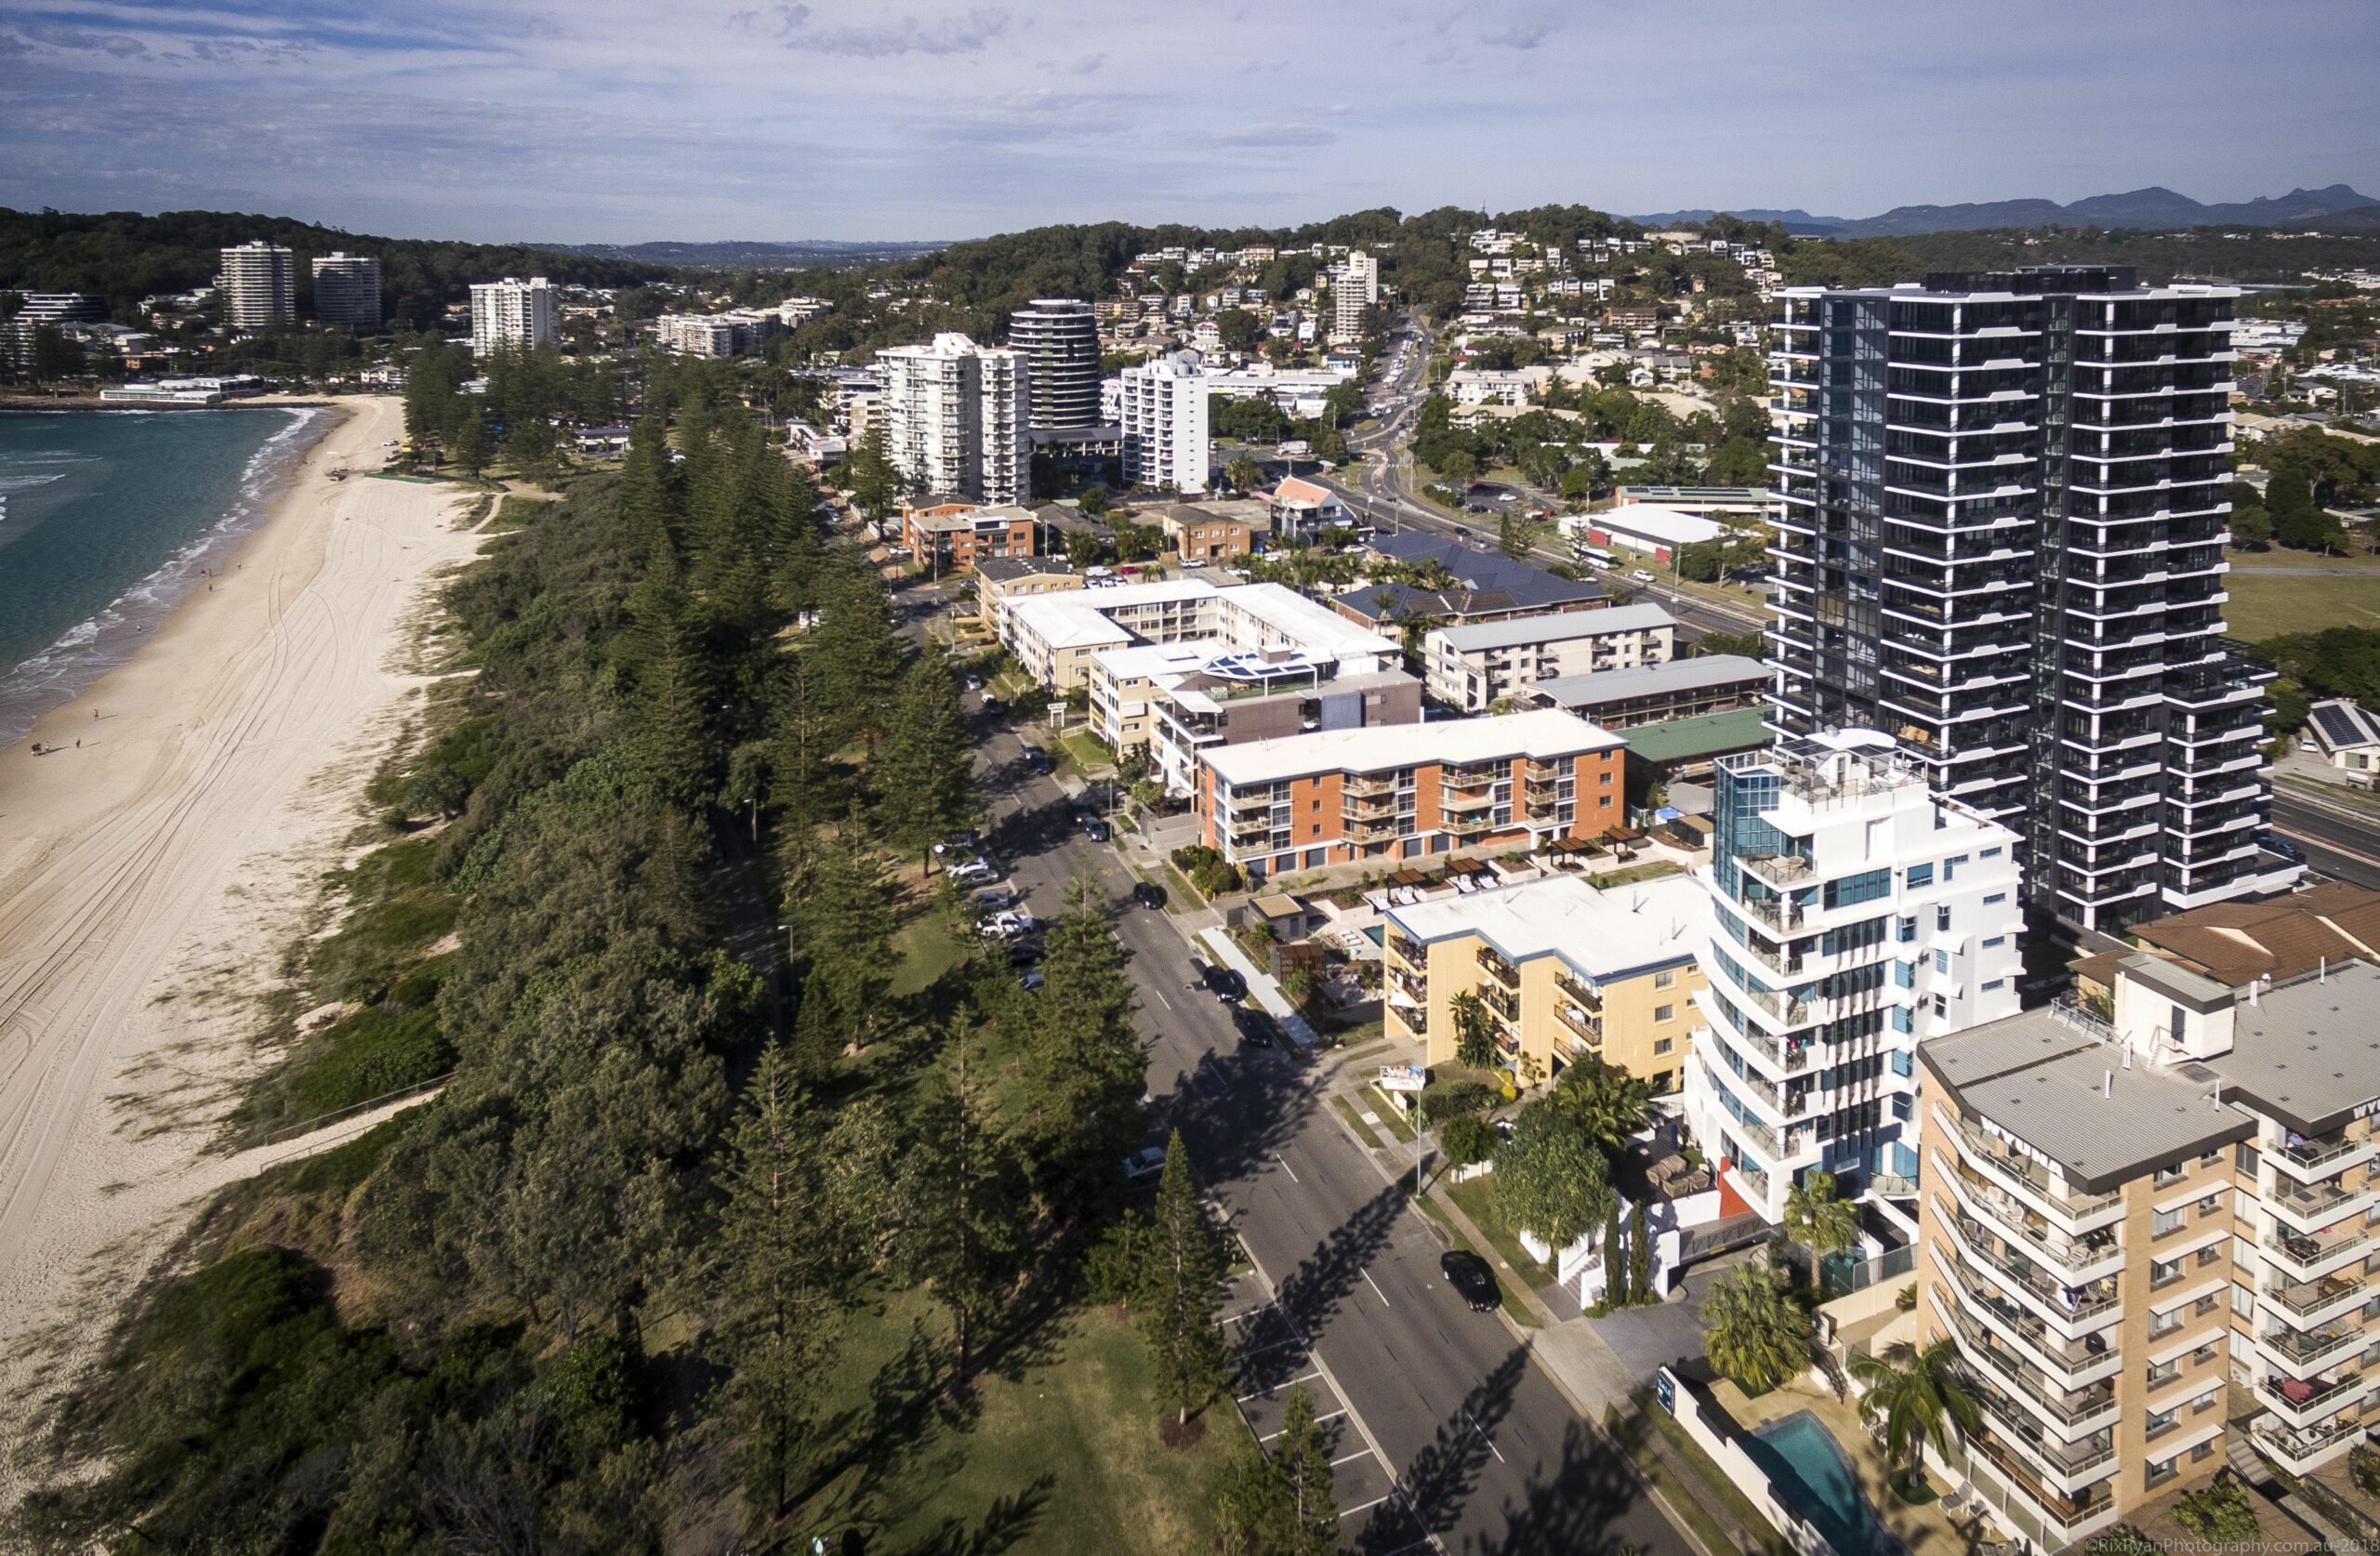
(1991, 983)
(2164, 1273)
(2202, 1452)
(2212, 1205)
(2205, 1401)
(1908, 926)
(2159, 1473)
(1663, 1045)
(1316, 805)
(1996, 898)
(1993, 852)
(1941, 1006)
(1950, 866)
(1918, 874)
(1903, 1063)
(1941, 961)
(2209, 1254)
(1605, 779)
(1901, 1022)
(2205, 1305)
(1994, 943)
(1905, 974)
(1942, 916)
(1665, 1012)
(2165, 1222)
(1901, 1108)
(2164, 1372)
(2162, 1422)
(2165, 1323)
(1665, 979)
(2167, 1176)
(1863, 888)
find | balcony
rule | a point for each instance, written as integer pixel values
(2312, 1206)
(2070, 1409)
(2300, 1351)
(2308, 1402)
(2064, 1519)
(1480, 801)
(2077, 1256)
(1477, 821)
(1504, 1002)
(2067, 1362)
(1495, 966)
(2301, 1451)
(2310, 1255)
(1781, 1146)
(1781, 870)
(1413, 986)
(2070, 1463)
(1372, 784)
(2029, 1181)
(2316, 1301)
(2322, 1155)
(2052, 1298)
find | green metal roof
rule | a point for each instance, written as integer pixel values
(1708, 734)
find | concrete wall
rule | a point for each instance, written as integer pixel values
(1714, 1438)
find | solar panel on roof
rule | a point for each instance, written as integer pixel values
(2339, 725)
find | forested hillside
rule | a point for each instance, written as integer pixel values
(123, 257)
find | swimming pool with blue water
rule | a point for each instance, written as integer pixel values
(1809, 1470)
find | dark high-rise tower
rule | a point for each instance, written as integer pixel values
(1059, 339)
(2000, 539)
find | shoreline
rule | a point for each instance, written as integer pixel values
(112, 634)
(152, 877)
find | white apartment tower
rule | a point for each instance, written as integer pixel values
(513, 312)
(1354, 288)
(259, 287)
(1163, 406)
(1854, 913)
(347, 289)
(956, 418)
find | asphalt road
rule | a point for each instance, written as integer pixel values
(1378, 492)
(2341, 843)
(1443, 1424)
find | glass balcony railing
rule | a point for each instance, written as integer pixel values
(2305, 1253)
(2073, 1408)
(2079, 1256)
(1997, 1159)
(2303, 1349)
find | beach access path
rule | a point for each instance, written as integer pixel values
(152, 877)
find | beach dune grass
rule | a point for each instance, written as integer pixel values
(363, 1056)
(400, 911)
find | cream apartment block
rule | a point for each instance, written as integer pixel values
(1058, 638)
(1565, 971)
(1853, 913)
(1470, 667)
(513, 312)
(957, 418)
(1002, 581)
(2150, 1230)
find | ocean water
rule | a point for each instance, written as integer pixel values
(107, 519)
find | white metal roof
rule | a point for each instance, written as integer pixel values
(1602, 934)
(1540, 733)
(1553, 629)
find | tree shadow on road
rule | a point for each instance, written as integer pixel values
(1311, 1292)
(1438, 1479)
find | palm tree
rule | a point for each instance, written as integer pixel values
(1922, 1398)
(1819, 1221)
(1475, 1037)
(1753, 1330)
(1605, 1101)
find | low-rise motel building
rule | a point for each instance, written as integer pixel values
(1564, 971)
(1406, 791)
(2148, 1226)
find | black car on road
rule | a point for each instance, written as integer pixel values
(1225, 984)
(1470, 1278)
(1148, 894)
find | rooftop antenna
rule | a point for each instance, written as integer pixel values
(2323, 974)
(2253, 985)
(2107, 1083)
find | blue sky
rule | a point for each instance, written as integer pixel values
(625, 120)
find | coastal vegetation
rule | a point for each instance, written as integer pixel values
(716, 1230)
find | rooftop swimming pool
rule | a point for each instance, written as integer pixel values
(1809, 1470)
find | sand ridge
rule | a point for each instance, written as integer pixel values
(151, 879)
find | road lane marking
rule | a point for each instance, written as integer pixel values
(1483, 1437)
(1376, 1290)
(1160, 997)
(1359, 1453)
(1318, 1420)
(1373, 1503)
(1262, 1392)
(1285, 1166)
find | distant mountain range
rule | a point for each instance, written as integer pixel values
(2333, 206)
(803, 255)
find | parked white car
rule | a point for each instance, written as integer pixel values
(973, 871)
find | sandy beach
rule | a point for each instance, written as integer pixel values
(150, 877)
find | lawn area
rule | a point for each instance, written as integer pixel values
(2248, 561)
(927, 949)
(1056, 1452)
(1477, 1200)
(2265, 607)
(1085, 749)
(1390, 1118)
(1652, 869)
(1178, 890)
(1012, 685)
(1356, 1122)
